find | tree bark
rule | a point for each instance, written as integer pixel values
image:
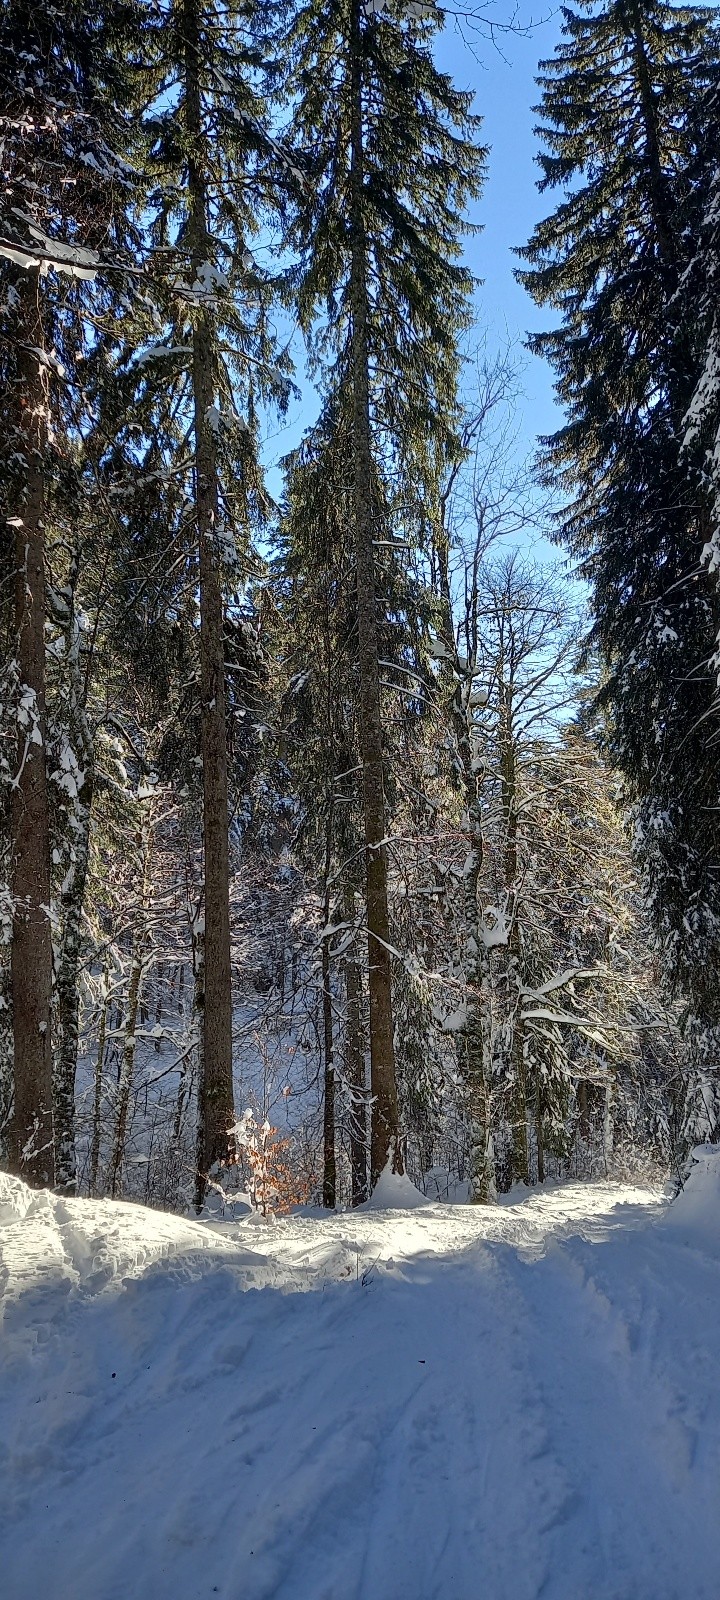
(539, 1137)
(159, 987)
(329, 1164)
(508, 786)
(30, 1143)
(198, 1028)
(476, 1034)
(97, 1099)
(355, 1065)
(72, 902)
(609, 1121)
(385, 1142)
(583, 1101)
(215, 1088)
(138, 965)
(475, 1039)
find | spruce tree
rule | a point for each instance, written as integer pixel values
(387, 144)
(65, 196)
(619, 128)
(318, 619)
(217, 172)
(701, 440)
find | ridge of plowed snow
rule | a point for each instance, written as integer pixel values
(444, 1403)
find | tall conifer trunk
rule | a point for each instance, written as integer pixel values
(508, 781)
(72, 901)
(30, 1144)
(68, 992)
(138, 967)
(355, 1072)
(384, 1133)
(329, 1162)
(475, 1037)
(215, 1090)
(99, 1064)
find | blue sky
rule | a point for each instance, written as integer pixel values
(502, 78)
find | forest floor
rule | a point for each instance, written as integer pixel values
(423, 1402)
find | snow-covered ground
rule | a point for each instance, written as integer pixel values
(395, 1404)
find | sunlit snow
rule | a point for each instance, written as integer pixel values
(425, 1402)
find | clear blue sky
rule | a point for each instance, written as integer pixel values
(502, 77)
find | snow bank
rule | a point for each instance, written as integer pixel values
(15, 1198)
(394, 1192)
(46, 1239)
(694, 1216)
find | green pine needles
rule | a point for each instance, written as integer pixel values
(422, 164)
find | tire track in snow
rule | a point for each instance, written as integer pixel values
(637, 1519)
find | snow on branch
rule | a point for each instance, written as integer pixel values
(45, 253)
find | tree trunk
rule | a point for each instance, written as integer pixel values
(138, 964)
(609, 1122)
(475, 1040)
(329, 1165)
(355, 1064)
(520, 1154)
(30, 1143)
(508, 787)
(72, 901)
(475, 1037)
(215, 1089)
(539, 1111)
(97, 1100)
(198, 1024)
(159, 986)
(583, 1110)
(385, 1142)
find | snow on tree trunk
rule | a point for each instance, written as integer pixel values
(30, 1144)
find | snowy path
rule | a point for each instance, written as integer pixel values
(516, 1404)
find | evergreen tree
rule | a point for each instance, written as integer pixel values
(209, 150)
(65, 197)
(619, 127)
(318, 615)
(388, 146)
